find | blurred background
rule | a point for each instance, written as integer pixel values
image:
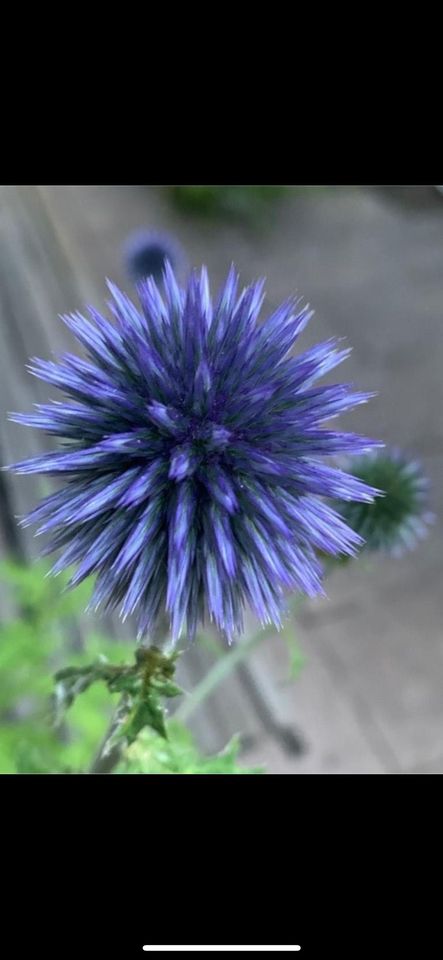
(368, 661)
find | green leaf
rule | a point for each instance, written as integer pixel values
(146, 713)
(179, 755)
(166, 688)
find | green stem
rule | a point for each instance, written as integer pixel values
(223, 667)
(105, 761)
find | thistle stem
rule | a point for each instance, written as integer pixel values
(223, 667)
(106, 760)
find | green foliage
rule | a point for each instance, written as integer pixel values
(144, 683)
(35, 640)
(37, 735)
(179, 754)
(231, 201)
(44, 596)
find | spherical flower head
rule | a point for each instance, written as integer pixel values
(145, 253)
(398, 519)
(193, 478)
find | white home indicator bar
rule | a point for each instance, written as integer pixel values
(262, 949)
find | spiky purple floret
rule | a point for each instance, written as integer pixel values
(191, 461)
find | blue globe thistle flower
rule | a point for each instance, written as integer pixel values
(192, 456)
(396, 521)
(146, 252)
